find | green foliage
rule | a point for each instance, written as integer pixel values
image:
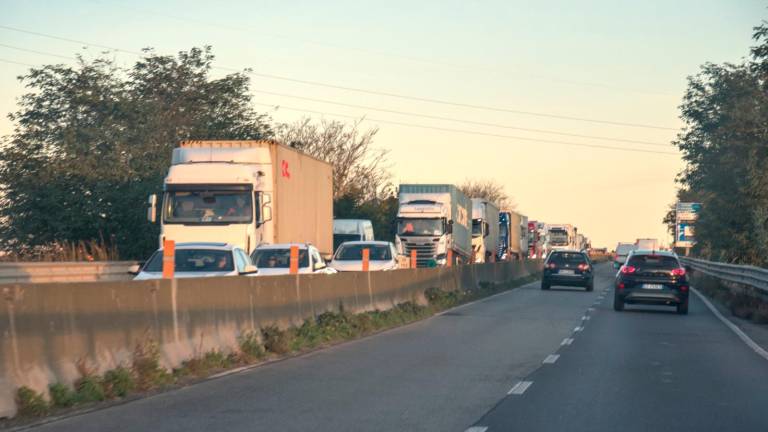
(725, 109)
(276, 341)
(61, 395)
(92, 141)
(250, 346)
(146, 366)
(30, 403)
(203, 365)
(118, 382)
(90, 389)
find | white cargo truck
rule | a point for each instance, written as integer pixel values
(485, 230)
(246, 193)
(560, 237)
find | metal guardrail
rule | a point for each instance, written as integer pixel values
(42, 272)
(743, 274)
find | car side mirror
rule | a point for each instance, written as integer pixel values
(249, 269)
(134, 269)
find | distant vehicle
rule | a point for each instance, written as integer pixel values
(485, 230)
(650, 244)
(621, 254)
(349, 256)
(245, 193)
(431, 220)
(275, 259)
(652, 278)
(535, 240)
(560, 237)
(345, 230)
(193, 260)
(513, 236)
(568, 268)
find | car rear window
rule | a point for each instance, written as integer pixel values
(567, 258)
(653, 261)
(194, 260)
(355, 252)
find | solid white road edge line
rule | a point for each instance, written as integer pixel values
(520, 388)
(551, 358)
(739, 332)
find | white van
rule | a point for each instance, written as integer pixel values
(345, 230)
(622, 251)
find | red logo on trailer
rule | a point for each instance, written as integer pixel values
(285, 172)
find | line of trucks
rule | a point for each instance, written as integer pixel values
(251, 193)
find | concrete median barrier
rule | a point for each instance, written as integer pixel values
(47, 329)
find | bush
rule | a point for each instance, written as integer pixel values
(275, 340)
(334, 324)
(61, 395)
(250, 346)
(90, 389)
(30, 403)
(146, 366)
(202, 366)
(118, 382)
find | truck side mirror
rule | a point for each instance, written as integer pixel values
(486, 229)
(266, 214)
(449, 227)
(152, 210)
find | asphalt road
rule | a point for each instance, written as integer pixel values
(647, 370)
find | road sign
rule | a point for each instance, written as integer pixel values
(686, 215)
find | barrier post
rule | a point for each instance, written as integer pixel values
(294, 266)
(169, 258)
(413, 258)
(366, 259)
(449, 258)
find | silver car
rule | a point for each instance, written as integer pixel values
(349, 256)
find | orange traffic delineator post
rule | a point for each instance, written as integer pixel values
(366, 259)
(413, 259)
(294, 269)
(449, 258)
(169, 258)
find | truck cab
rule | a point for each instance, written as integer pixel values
(485, 230)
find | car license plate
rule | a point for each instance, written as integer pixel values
(566, 272)
(653, 286)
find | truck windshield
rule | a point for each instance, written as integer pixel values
(194, 260)
(558, 237)
(202, 207)
(477, 227)
(420, 227)
(354, 252)
(278, 258)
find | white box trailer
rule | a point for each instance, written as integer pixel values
(246, 193)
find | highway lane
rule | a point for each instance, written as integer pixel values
(440, 374)
(643, 370)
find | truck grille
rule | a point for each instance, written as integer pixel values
(424, 252)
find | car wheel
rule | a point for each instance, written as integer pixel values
(618, 304)
(682, 308)
(545, 285)
(591, 286)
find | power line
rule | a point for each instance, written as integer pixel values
(464, 131)
(373, 92)
(36, 52)
(478, 123)
(16, 63)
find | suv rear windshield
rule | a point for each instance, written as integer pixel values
(567, 258)
(278, 258)
(654, 261)
(355, 252)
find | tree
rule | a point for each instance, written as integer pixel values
(490, 190)
(359, 169)
(93, 140)
(725, 146)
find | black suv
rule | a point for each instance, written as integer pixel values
(654, 278)
(568, 268)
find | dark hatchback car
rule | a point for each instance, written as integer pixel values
(652, 278)
(568, 268)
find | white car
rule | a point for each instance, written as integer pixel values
(200, 260)
(349, 256)
(275, 259)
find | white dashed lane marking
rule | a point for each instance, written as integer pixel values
(477, 429)
(551, 358)
(566, 341)
(520, 388)
(578, 329)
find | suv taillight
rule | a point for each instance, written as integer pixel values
(628, 269)
(678, 272)
(552, 266)
(583, 267)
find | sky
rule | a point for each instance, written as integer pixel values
(562, 68)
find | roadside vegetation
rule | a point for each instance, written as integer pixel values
(145, 374)
(725, 110)
(742, 301)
